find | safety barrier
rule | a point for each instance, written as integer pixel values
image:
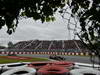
(52, 69)
(49, 53)
(20, 71)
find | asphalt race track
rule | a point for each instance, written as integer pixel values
(81, 59)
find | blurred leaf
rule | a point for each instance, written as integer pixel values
(36, 9)
(23, 14)
(53, 18)
(48, 19)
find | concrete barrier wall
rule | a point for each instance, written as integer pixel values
(49, 53)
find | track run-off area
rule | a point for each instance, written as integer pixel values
(73, 58)
(80, 59)
(79, 62)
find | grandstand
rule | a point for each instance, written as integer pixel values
(49, 46)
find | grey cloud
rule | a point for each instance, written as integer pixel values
(30, 30)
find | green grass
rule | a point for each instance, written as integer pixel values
(4, 60)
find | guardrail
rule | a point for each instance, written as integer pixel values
(49, 53)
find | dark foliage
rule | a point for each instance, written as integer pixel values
(88, 14)
(12, 10)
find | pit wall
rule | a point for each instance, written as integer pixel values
(49, 53)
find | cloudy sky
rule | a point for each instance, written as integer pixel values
(28, 29)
